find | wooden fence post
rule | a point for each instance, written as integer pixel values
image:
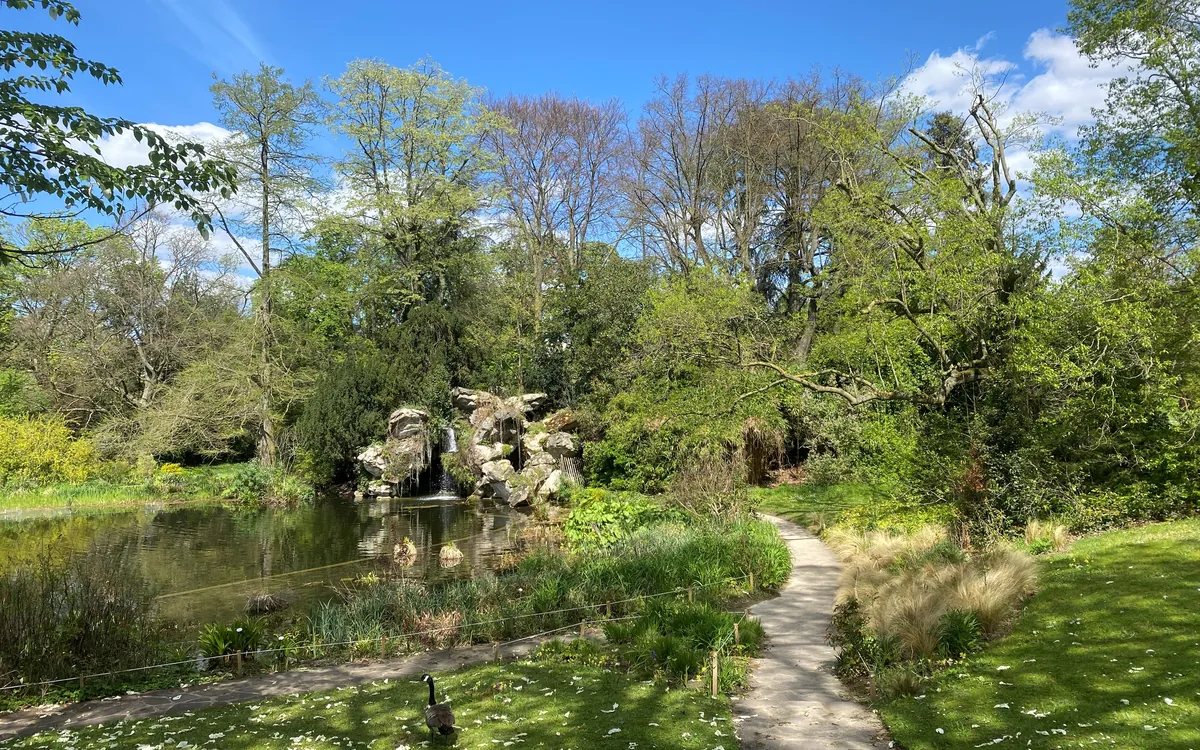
(383, 647)
(238, 660)
(581, 624)
(714, 673)
(737, 637)
(752, 580)
(689, 593)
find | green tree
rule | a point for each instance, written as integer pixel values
(51, 152)
(272, 120)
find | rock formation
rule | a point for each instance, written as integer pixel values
(517, 454)
(402, 456)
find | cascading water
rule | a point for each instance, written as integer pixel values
(446, 484)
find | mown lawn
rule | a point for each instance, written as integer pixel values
(796, 502)
(510, 705)
(1106, 654)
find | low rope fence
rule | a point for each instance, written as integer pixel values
(383, 639)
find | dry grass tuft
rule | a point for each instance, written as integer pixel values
(1047, 535)
(906, 584)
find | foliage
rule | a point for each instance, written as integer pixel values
(42, 450)
(242, 636)
(53, 150)
(61, 616)
(654, 559)
(913, 600)
(600, 517)
(1094, 654)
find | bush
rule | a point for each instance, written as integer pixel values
(919, 597)
(244, 636)
(43, 451)
(61, 616)
(602, 517)
(247, 483)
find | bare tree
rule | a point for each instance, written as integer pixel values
(672, 188)
(557, 168)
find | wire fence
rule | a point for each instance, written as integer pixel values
(384, 638)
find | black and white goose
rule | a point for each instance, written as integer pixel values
(438, 716)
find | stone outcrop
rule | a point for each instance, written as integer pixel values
(402, 456)
(518, 454)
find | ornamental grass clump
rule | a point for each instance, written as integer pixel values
(911, 601)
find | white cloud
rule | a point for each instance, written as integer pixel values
(223, 39)
(1063, 84)
(123, 150)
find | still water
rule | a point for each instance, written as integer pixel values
(206, 560)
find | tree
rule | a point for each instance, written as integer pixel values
(272, 121)
(52, 153)
(105, 328)
(557, 163)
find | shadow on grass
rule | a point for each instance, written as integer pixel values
(548, 705)
(1107, 652)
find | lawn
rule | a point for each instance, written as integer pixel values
(1107, 653)
(498, 705)
(195, 483)
(796, 502)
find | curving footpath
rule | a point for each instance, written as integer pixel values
(795, 701)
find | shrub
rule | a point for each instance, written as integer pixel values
(62, 615)
(920, 597)
(247, 483)
(602, 517)
(43, 451)
(290, 488)
(959, 633)
(169, 478)
(711, 488)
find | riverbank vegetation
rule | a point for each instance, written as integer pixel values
(676, 576)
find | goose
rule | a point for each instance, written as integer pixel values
(438, 716)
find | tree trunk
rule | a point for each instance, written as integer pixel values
(266, 439)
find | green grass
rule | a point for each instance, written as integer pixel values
(522, 704)
(198, 483)
(796, 502)
(1108, 652)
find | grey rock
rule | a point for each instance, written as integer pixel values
(373, 460)
(551, 486)
(518, 496)
(380, 488)
(561, 444)
(497, 471)
(541, 459)
(534, 442)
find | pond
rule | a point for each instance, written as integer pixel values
(207, 559)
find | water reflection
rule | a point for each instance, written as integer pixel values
(206, 560)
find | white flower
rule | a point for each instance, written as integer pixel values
(614, 730)
(939, 730)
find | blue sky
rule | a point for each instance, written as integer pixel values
(167, 50)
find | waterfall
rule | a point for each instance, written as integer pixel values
(450, 442)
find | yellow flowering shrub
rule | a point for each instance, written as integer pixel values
(43, 451)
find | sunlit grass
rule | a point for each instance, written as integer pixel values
(1107, 653)
(517, 704)
(799, 503)
(199, 483)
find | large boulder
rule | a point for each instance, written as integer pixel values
(402, 456)
(372, 459)
(561, 444)
(551, 486)
(534, 442)
(497, 471)
(561, 421)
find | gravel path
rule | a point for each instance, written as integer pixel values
(795, 701)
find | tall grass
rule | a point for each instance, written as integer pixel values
(655, 559)
(65, 616)
(920, 598)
